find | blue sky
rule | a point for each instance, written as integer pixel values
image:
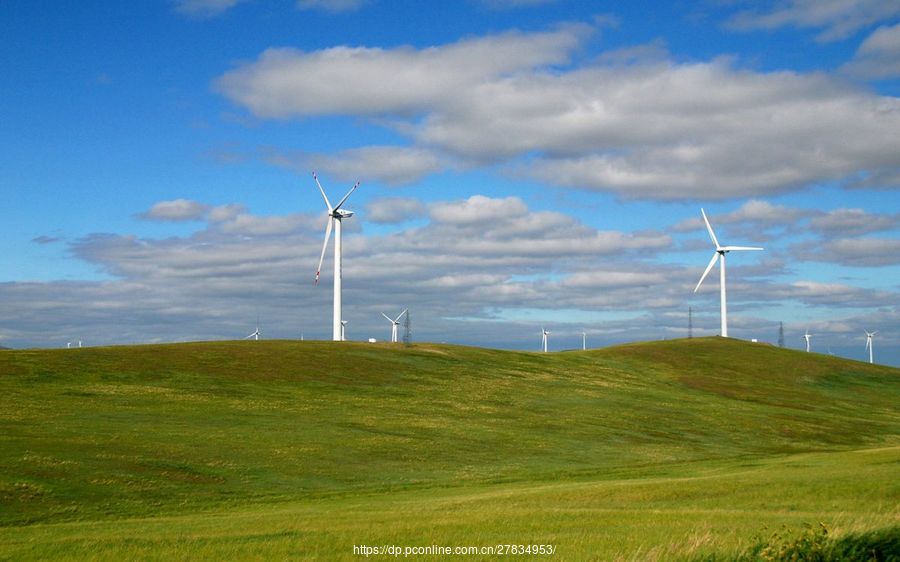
(523, 164)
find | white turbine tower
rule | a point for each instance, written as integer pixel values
(720, 255)
(395, 324)
(255, 334)
(335, 215)
(869, 346)
(583, 341)
(544, 338)
(806, 336)
(344, 329)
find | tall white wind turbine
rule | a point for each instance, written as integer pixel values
(720, 255)
(807, 336)
(335, 216)
(869, 346)
(544, 337)
(255, 334)
(395, 324)
(344, 329)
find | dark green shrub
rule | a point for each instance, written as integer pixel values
(814, 544)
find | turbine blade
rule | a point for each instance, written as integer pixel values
(322, 191)
(712, 234)
(712, 262)
(738, 248)
(352, 189)
(388, 317)
(324, 247)
(399, 316)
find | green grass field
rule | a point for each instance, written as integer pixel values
(300, 450)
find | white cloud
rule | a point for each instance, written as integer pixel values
(854, 252)
(475, 272)
(760, 214)
(394, 210)
(837, 19)
(224, 213)
(642, 128)
(373, 81)
(393, 165)
(656, 131)
(252, 225)
(853, 221)
(878, 56)
(205, 8)
(478, 210)
(176, 210)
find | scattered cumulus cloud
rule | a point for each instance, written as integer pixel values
(837, 19)
(878, 56)
(393, 165)
(853, 222)
(175, 210)
(474, 270)
(854, 252)
(44, 239)
(286, 82)
(509, 99)
(204, 8)
(394, 210)
(756, 212)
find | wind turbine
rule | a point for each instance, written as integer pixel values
(720, 254)
(335, 216)
(583, 341)
(255, 334)
(343, 329)
(806, 336)
(544, 338)
(869, 346)
(395, 324)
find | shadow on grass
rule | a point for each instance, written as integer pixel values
(814, 544)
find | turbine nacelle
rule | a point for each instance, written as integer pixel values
(720, 250)
(335, 214)
(719, 255)
(395, 324)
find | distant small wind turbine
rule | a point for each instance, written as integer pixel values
(395, 324)
(255, 334)
(344, 329)
(544, 337)
(869, 345)
(68, 345)
(720, 254)
(583, 341)
(335, 216)
(806, 336)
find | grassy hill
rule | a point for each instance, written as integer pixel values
(277, 449)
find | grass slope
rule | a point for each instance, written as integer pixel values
(276, 449)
